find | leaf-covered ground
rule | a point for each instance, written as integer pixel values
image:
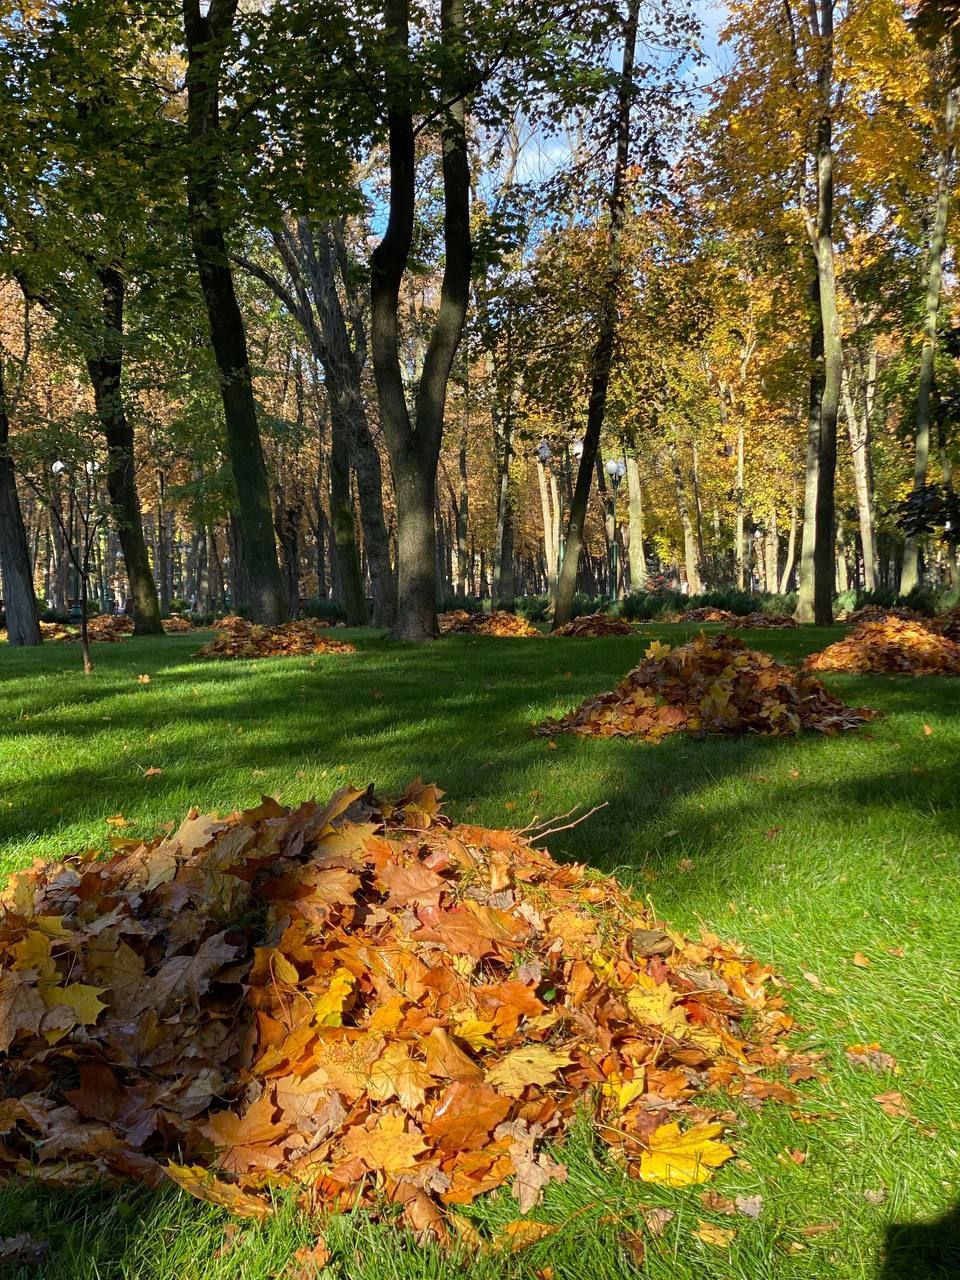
(834, 859)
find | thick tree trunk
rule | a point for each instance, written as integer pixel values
(341, 519)
(602, 355)
(909, 573)
(206, 36)
(638, 561)
(106, 372)
(19, 599)
(414, 445)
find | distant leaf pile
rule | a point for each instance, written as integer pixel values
(174, 625)
(105, 628)
(875, 613)
(948, 624)
(596, 625)
(238, 638)
(707, 614)
(496, 623)
(714, 684)
(365, 1003)
(891, 645)
(762, 622)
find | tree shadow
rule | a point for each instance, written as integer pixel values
(922, 1250)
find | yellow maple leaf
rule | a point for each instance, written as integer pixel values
(654, 1004)
(79, 997)
(681, 1159)
(531, 1064)
(475, 1031)
(201, 1183)
(386, 1146)
(396, 1075)
(33, 951)
(656, 650)
(329, 1007)
(710, 1234)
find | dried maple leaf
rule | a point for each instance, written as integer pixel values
(722, 1237)
(872, 1057)
(201, 1183)
(893, 1103)
(388, 1146)
(532, 1064)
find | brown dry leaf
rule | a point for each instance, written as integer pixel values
(749, 1206)
(860, 960)
(872, 1057)
(819, 1228)
(522, 1234)
(201, 1183)
(22, 1250)
(656, 1219)
(722, 1237)
(308, 1262)
(893, 1103)
(144, 679)
(152, 772)
(717, 1203)
(634, 1245)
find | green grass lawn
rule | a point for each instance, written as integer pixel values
(808, 850)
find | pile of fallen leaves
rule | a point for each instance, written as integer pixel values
(238, 638)
(707, 614)
(50, 631)
(892, 645)
(948, 624)
(762, 621)
(497, 623)
(596, 626)
(367, 1004)
(876, 612)
(105, 628)
(174, 625)
(714, 684)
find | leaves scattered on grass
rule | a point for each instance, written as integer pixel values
(872, 1058)
(714, 684)
(891, 645)
(238, 638)
(497, 623)
(365, 1003)
(596, 626)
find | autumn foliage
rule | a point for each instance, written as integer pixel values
(707, 613)
(363, 1002)
(174, 625)
(238, 638)
(105, 628)
(596, 626)
(714, 684)
(497, 623)
(762, 622)
(906, 646)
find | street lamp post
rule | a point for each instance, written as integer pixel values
(616, 471)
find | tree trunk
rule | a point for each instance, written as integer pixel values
(602, 355)
(683, 507)
(638, 562)
(503, 576)
(824, 543)
(738, 550)
(909, 573)
(550, 551)
(206, 37)
(341, 520)
(19, 599)
(772, 553)
(805, 609)
(414, 445)
(791, 545)
(106, 372)
(858, 431)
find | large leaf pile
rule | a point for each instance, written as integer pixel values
(891, 645)
(762, 622)
(174, 625)
(714, 684)
(707, 613)
(238, 638)
(364, 1003)
(875, 613)
(496, 623)
(596, 626)
(105, 628)
(948, 624)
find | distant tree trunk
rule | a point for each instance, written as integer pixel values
(638, 562)
(19, 599)
(738, 550)
(503, 573)
(341, 521)
(550, 550)
(683, 508)
(414, 444)
(206, 36)
(805, 609)
(858, 430)
(601, 358)
(772, 552)
(909, 573)
(106, 372)
(162, 557)
(791, 545)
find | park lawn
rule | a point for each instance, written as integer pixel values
(807, 850)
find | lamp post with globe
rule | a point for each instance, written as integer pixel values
(615, 471)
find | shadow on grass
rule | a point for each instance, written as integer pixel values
(923, 1250)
